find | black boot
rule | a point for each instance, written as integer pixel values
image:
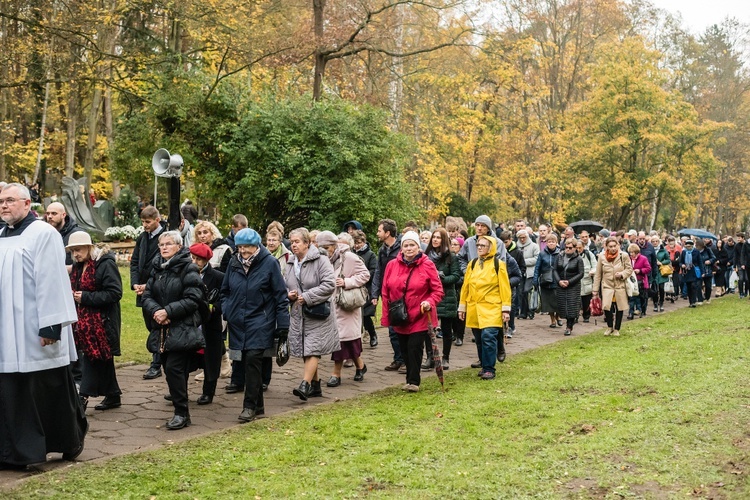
(373, 340)
(304, 390)
(315, 390)
(109, 402)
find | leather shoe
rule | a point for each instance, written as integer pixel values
(427, 366)
(152, 373)
(359, 376)
(205, 399)
(108, 403)
(334, 381)
(373, 340)
(232, 388)
(478, 364)
(247, 415)
(393, 367)
(168, 397)
(501, 356)
(315, 390)
(178, 422)
(303, 391)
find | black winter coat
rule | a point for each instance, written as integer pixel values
(385, 255)
(213, 279)
(517, 255)
(227, 255)
(568, 299)
(255, 304)
(145, 251)
(371, 262)
(177, 288)
(449, 271)
(69, 228)
(107, 297)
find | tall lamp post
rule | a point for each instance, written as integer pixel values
(166, 165)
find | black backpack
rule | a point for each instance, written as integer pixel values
(496, 259)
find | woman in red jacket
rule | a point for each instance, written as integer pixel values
(413, 276)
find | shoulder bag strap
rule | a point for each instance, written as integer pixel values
(408, 278)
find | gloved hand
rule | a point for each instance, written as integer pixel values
(281, 334)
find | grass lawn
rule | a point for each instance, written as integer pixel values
(661, 412)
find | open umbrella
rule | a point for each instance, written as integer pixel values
(699, 233)
(435, 351)
(586, 225)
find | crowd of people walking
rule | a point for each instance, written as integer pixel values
(243, 300)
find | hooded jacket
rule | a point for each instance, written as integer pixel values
(485, 294)
(424, 285)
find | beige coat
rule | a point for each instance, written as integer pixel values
(612, 288)
(355, 274)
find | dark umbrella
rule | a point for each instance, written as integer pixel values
(435, 351)
(586, 225)
(700, 233)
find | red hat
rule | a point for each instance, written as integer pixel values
(201, 250)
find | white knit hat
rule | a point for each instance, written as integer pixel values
(410, 235)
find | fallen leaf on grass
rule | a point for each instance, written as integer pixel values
(439, 415)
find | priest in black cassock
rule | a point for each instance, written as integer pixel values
(40, 411)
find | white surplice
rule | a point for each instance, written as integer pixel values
(35, 293)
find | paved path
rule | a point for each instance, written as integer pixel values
(140, 423)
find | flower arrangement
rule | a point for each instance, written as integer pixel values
(117, 233)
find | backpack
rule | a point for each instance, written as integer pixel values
(496, 259)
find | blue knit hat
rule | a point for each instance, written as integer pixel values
(247, 236)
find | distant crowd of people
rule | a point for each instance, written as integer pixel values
(245, 299)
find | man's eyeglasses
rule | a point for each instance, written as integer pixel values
(10, 201)
(569, 248)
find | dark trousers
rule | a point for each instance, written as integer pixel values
(659, 297)
(177, 370)
(515, 306)
(411, 346)
(212, 355)
(252, 362)
(156, 361)
(694, 291)
(459, 327)
(613, 319)
(446, 325)
(707, 282)
(76, 369)
(586, 306)
(741, 281)
(238, 372)
(369, 325)
(396, 346)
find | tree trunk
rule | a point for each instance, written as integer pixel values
(42, 130)
(72, 126)
(93, 122)
(109, 130)
(320, 58)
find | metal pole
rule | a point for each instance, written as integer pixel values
(156, 178)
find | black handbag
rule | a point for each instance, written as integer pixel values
(318, 311)
(397, 313)
(547, 278)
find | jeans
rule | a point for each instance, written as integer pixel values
(396, 346)
(486, 339)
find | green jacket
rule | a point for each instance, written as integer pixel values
(450, 274)
(662, 257)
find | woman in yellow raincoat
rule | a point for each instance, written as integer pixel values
(485, 303)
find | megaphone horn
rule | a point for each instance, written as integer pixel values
(166, 165)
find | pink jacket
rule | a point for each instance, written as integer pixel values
(641, 263)
(424, 285)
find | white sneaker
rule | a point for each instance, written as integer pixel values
(226, 366)
(200, 377)
(607, 332)
(615, 333)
